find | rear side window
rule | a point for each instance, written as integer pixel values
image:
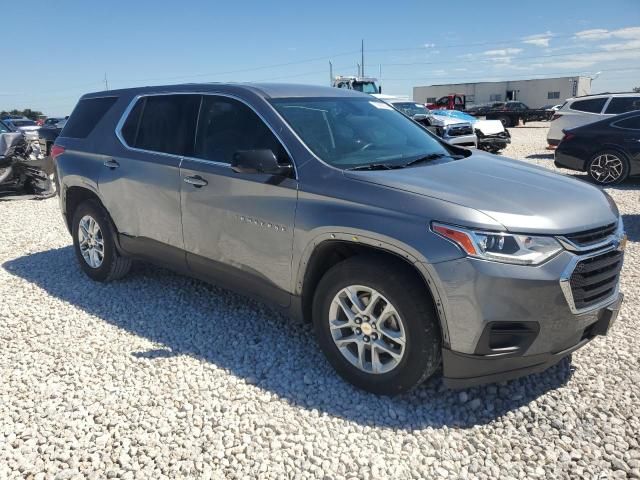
(623, 105)
(163, 123)
(86, 116)
(592, 105)
(632, 123)
(227, 126)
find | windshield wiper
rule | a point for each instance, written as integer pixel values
(375, 166)
(428, 158)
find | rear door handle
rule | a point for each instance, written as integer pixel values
(197, 181)
(111, 164)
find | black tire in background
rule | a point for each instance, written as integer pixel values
(408, 294)
(618, 155)
(113, 266)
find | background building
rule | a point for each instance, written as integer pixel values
(535, 93)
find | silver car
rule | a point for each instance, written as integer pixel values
(405, 252)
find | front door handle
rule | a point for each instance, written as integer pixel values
(197, 181)
(111, 164)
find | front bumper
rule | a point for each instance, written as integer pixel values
(462, 140)
(468, 370)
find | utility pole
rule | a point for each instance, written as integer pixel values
(330, 73)
(106, 81)
(362, 56)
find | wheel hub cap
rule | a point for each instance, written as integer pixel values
(91, 241)
(367, 329)
(606, 168)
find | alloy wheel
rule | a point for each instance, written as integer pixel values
(91, 241)
(367, 329)
(606, 168)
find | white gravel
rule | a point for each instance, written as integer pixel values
(160, 376)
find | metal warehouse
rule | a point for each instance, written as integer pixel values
(535, 92)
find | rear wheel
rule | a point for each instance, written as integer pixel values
(376, 324)
(506, 121)
(94, 244)
(608, 167)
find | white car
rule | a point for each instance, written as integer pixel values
(590, 108)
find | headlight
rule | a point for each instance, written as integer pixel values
(500, 246)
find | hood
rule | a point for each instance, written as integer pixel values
(443, 121)
(489, 127)
(521, 197)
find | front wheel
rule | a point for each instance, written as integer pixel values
(376, 325)
(608, 167)
(94, 244)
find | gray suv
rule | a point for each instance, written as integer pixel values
(405, 253)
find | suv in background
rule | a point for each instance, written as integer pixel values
(587, 109)
(404, 251)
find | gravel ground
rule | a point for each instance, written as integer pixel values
(160, 376)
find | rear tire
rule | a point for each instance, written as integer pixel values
(401, 348)
(94, 243)
(608, 167)
(506, 121)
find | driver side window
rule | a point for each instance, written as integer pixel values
(226, 126)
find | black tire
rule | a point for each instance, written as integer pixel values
(408, 294)
(113, 266)
(614, 153)
(506, 121)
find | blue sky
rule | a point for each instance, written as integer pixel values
(54, 51)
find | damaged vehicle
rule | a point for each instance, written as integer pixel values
(492, 136)
(452, 130)
(24, 171)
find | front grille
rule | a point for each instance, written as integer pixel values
(591, 237)
(459, 130)
(595, 278)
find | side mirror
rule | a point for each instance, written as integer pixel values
(258, 161)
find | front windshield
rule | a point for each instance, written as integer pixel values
(365, 87)
(411, 109)
(354, 132)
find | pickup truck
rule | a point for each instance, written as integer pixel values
(511, 113)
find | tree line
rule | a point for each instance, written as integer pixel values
(27, 112)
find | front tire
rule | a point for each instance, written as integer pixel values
(94, 243)
(608, 167)
(377, 325)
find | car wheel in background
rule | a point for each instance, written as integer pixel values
(608, 167)
(94, 244)
(377, 325)
(506, 121)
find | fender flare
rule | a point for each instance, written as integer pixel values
(369, 239)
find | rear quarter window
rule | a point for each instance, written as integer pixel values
(86, 116)
(623, 105)
(631, 123)
(591, 105)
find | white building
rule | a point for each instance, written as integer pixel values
(534, 93)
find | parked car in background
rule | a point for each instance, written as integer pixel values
(512, 113)
(452, 130)
(588, 109)
(453, 101)
(47, 136)
(21, 168)
(340, 210)
(482, 108)
(55, 122)
(491, 134)
(608, 150)
(22, 124)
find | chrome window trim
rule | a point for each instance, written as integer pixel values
(132, 103)
(565, 284)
